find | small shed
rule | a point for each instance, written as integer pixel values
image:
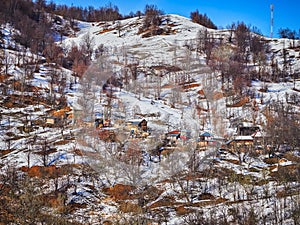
(50, 121)
(143, 125)
(204, 139)
(205, 136)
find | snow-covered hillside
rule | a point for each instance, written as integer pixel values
(151, 132)
(173, 57)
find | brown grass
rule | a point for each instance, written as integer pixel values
(53, 200)
(61, 142)
(201, 92)
(271, 161)
(42, 171)
(189, 86)
(240, 103)
(291, 157)
(3, 77)
(209, 202)
(286, 193)
(218, 95)
(5, 152)
(61, 112)
(206, 196)
(105, 30)
(16, 101)
(120, 192)
(37, 171)
(234, 161)
(167, 67)
(78, 152)
(71, 207)
(168, 86)
(183, 210)
(129, 207)
(107, 135)
(166, 201)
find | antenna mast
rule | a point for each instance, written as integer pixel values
(272, 20)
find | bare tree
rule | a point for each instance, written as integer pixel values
(152, 16)
(88, 44)
(242, 37)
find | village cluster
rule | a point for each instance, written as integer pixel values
(247, 138)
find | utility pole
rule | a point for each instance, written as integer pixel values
(272, 20)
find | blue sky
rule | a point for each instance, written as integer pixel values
(222, 13)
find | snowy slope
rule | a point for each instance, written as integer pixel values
(140, 99)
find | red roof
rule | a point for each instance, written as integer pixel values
(183, 137)
(174, 132)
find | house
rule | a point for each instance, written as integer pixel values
(99, 123)
(246, 129)
(258, 138)
(205, 139)
(58, 116)
(238, 143)
(143, 125)
(138, 127)
(77, 113)
(173, 136)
